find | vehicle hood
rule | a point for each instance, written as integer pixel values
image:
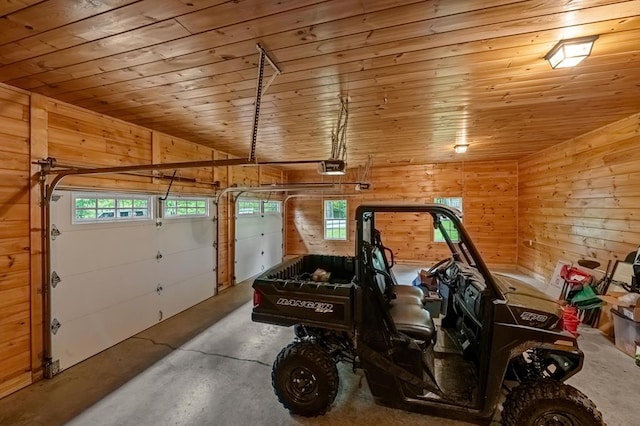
(529, 305)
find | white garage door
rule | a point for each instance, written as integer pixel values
(120, 270)
(258, 237)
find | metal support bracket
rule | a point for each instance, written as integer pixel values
(55, 279)
(55, 232)
(55, 325)
(260, 90)
(51, 368)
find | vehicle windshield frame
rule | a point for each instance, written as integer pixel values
(463, 250)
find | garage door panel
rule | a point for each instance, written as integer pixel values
(113, 285)
(75, 296)
(272, 224)
(181, 295)
(272, 248)
(180, 235)
(271, 244)
(247, 263)
(83, 337)
(61, 211)
(258, 243)
(176, 267)
(248, 226)
(93, 249)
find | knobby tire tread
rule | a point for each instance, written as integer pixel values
(527, 394)
(318, 356)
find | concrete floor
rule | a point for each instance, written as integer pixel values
(211, 365)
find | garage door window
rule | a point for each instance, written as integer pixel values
(455, 202)
(248, 207)
(271, 207)
(186, 207)
(335, 219)
(92, 208)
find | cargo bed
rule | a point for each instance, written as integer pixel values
(290, 296)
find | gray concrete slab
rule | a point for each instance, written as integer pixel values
(211, 366)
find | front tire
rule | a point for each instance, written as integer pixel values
(305, 379)
(548, 403)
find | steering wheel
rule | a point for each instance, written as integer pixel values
(439, 267)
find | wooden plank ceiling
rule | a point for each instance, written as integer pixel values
(421, 75)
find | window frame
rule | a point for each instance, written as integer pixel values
(165, 206)
(260, 204)
(277, 203)
(254, 212)
(324, 221)
(436, 232)
(116, 197)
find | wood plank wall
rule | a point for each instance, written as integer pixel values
(489, 192)
(15, 291)
(32, 127)
(581, 199)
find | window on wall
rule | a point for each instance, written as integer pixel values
(335, 219)
(455, 202)
(92, 208)
(186, 207)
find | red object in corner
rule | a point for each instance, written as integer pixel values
(570, 319)
(574, 276)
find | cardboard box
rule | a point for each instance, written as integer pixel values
(605, 322)
(423, 279)
(630, 311)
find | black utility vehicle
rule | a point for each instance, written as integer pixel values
(496, 335)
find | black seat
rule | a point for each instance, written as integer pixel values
(413, 321)
(409, 318)
(409, 292)
(401, 293)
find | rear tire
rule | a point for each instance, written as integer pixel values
(548, 402)
(305, 379)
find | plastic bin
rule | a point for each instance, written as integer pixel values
(626, 331)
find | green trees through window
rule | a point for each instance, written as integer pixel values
(109, 208)
(187, 207)
(335, 219)
(455, 202)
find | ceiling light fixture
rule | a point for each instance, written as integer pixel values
(460, 148)
(569, 53)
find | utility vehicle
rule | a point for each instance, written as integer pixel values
(495, 336)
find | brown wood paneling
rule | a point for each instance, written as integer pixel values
(38, 150)
(11, 6)
(122, 19)
(420, 74)
(15, 291)
(488, 190)
(580, 199)
(81, 138)
(33, 127)
(51, 14)
(178, 150)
